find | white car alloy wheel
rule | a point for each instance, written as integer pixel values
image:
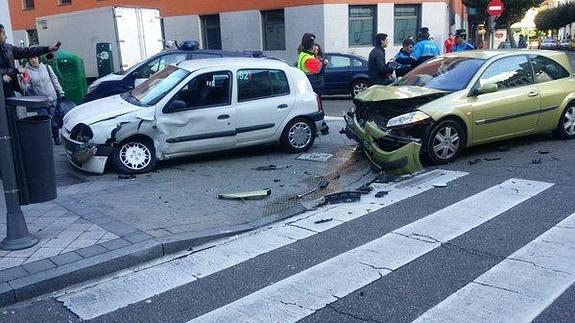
(135, 156)
(299, 135)
(446, 143)
(569, 121)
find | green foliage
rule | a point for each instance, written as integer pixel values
(555, 18)
(515, 10)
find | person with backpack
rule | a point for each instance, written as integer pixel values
(40, 79)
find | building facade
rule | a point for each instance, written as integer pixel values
(273, 26)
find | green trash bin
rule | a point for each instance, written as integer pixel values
(69, 68)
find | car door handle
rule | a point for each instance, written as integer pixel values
(223, 116)
(532, 94)
(282, 106)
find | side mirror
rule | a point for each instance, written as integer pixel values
(174, 106)
(485, 88)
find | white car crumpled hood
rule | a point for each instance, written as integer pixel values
(104, 109)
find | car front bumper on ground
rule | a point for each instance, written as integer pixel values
(403, 159)
(86, 156)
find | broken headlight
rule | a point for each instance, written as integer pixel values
(82, 133)
(407, 119)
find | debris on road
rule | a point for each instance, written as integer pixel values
(124, 176)
(536, 161)
(271, 167)
(492, 158)
(364, 189)
(475, 161)
(343, 197)
(277, 180)
(246, 195)
(542, 152)
(385, 178)
(318, 157)
(381, 194)
(323, 220)
(322, 184)
(439, 185)
(503, 148)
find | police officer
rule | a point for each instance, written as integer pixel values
(307, 62)
(461, 43)
(425, 48)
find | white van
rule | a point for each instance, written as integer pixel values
(195, 107)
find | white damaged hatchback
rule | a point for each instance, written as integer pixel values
(196, 107)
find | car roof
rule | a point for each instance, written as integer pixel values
(346, 54)
(232, 62)
(490, 53)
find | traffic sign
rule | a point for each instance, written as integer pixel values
(495, 8)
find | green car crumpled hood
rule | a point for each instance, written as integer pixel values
(378, 93)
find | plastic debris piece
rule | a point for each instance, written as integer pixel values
(323, 220)
(343, 197)
(271, 167)
(473, 162)
(542, 152)
(536, 161)
(503, 148)
(323, 183)
(381, 194)
(439, 184)
(246, 195)
(277, 180)
(364, 189)
(492, 158)
(124, 176)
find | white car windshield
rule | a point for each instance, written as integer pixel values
(443, 73)
(156, 87)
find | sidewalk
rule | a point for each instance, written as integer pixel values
(100, 224)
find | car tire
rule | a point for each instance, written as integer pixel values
(134, 156)
(566, 127)
(445, 142)
(357, 87)
(298, 135)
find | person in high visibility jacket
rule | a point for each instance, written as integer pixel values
(307, 61)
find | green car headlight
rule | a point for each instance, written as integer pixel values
(407, 119)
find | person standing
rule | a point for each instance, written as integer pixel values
(522, 42)
(379, 72)
(461, 43)
(403, 58)
(307, 62)
(318, 80)
(9, 53)
(41, 80)
(425, 48)
(449, 43)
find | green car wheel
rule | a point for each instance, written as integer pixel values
(566, 127)
(445, 142)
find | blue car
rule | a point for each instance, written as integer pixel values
(124, 81)
(345, 74)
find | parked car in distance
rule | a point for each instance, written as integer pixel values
(123, 81)
(549, 43)
(195, 107)
(345, 74)
(565, 44)
(464, 99)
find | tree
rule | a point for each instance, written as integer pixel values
(555, 18)
(515, 10)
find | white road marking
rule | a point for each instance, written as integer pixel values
(332, 118)
(304, 293)
(520, 287)
(90, 301)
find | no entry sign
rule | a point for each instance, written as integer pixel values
(495, 8)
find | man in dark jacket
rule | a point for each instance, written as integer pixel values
(8, 54)
(379, 71)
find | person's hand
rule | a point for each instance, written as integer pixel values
(55, 47)
(6, 79)
(21, 70)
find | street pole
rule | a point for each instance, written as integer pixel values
(17, 235)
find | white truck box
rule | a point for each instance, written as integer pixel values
(134, 34)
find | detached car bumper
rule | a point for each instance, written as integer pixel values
(86, 156)
(403, 159)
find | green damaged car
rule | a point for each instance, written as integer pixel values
(460, 100)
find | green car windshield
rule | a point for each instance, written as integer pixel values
(443, 73)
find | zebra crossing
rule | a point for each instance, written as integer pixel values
(516, 289)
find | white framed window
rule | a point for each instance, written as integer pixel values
(362, 25)
(273, 25)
